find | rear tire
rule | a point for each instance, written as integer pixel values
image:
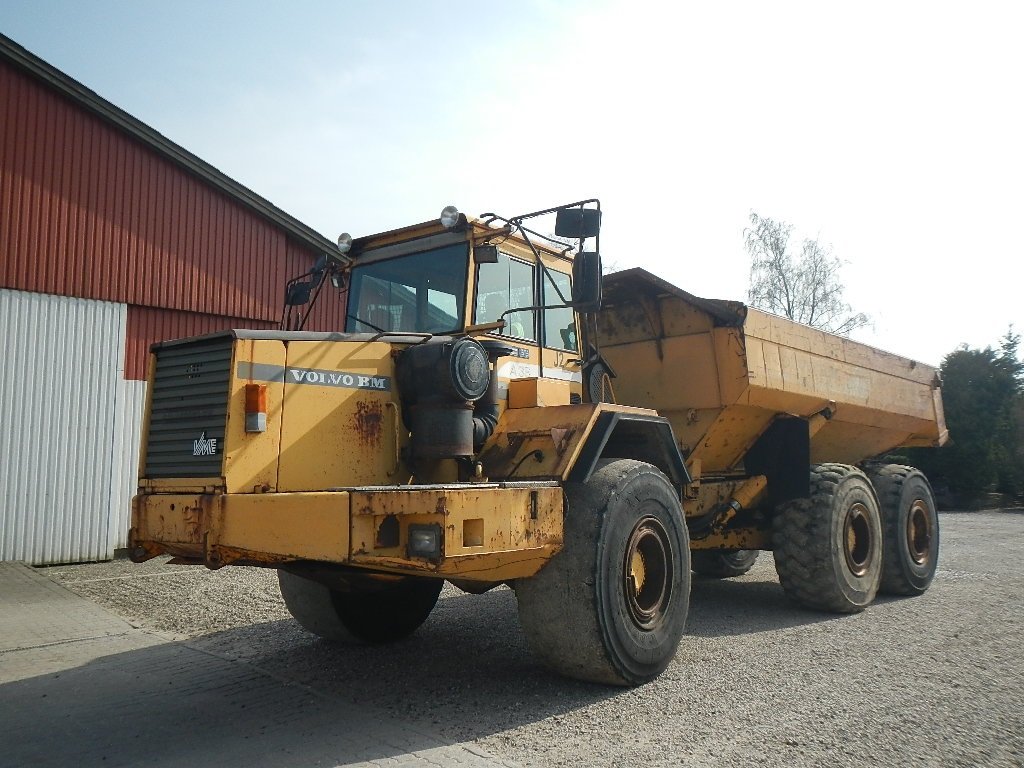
(724, 563)
(828, 548)
(611, 606)
(382, 615)
(910, 529)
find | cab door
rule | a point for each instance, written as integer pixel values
(546, 342)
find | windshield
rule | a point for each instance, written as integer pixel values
(421, 293)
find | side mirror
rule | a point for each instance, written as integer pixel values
(578, 223)
(297, 293)
(321, 263)
(586, 281)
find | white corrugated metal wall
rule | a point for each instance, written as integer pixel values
(125, 466)
(69, 426)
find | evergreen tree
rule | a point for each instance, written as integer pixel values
(983, 399)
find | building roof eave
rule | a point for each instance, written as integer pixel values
(70, 88)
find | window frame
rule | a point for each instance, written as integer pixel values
(535, 339)
(567, 291)
(540, 316)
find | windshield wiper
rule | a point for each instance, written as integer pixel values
(360, 320)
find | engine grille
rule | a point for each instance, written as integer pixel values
(189, 409)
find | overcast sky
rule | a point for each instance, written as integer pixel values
(892, 131)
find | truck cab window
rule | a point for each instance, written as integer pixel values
(559, 323)
(505, 285)
(421, 293)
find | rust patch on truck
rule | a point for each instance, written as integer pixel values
(369, 422)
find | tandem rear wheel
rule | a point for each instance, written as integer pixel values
(611, 606)
(828, 548)
(910, 529)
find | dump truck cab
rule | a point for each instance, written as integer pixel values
(458, 281)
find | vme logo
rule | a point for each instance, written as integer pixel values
(204, 447)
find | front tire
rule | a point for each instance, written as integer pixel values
(910, 529)
(828, 548)
(723, 563)
(611, 606)
(384, 614)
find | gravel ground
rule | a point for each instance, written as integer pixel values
(933, 680)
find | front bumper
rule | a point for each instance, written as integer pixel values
(488, 532)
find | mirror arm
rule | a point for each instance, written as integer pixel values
(312, 302)
(580, 204)
(516, 223)
(569, 304)
(545, 273)
(325, 274)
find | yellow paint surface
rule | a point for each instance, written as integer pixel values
(338, 436)
(537, 393)
(489, 533)
(720, 387)
(251, 458)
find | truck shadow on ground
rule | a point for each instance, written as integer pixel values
(272, 694)
(725, 607)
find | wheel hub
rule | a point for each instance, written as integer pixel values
(637, 571)
(648, 573)
(919, 532)
(857, 539)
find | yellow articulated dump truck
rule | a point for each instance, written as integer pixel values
(494, 412)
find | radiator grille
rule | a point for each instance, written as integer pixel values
(189, 409)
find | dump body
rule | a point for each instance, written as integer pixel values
(722, 373)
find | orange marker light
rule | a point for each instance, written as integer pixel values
(255, 407)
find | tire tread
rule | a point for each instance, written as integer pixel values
(889, 482)
(560, 608)
(802, 542)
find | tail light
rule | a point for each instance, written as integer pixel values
(255, 407)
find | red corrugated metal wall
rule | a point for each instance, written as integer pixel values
(88, 211)
(148, 324)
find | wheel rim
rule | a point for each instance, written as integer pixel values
(857, 539)
(647, 581)
(919, 532)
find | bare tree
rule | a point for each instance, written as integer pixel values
(805, 288)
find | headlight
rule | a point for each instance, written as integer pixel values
(344, 242)
(449, 216)
(424, 541)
